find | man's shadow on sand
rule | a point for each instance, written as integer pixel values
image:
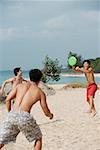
(52, 122)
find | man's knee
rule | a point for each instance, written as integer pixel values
(90, 97)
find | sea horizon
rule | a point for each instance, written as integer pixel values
(65, 77)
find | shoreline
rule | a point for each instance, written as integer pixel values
(77, 75)
(61, 84)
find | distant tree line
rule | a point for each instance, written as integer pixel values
(96, 64)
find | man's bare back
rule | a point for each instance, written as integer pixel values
(26, 95)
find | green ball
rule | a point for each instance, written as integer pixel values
(72, 61)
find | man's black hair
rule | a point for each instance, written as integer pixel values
(16, 70)
(35, 75)
(88, 61)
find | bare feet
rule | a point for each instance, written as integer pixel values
(94, 113)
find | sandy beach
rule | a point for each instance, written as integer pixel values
(71, 129)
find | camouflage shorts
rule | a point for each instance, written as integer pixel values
(17, 122)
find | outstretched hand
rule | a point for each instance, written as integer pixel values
(73, 67)
(77, 68)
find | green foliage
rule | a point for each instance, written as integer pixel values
(51, 70)
(95, 63)
(79, 59)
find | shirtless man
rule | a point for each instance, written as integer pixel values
(14, 80)
(91, 85)
(19, 119)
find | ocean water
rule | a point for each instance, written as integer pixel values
(4, 75)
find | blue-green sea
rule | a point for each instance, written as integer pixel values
(4, 75)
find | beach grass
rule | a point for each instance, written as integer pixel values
(75, 85)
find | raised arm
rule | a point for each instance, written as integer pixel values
(78, 69)
(4, 83)
(10, 96)
(83, 70)
(44, 106)
(87, 70)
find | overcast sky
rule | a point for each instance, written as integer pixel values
(30, 30)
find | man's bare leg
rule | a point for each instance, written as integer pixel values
(38, 144)
(1, 145)
(89, 111)
(92, 105)
(94, 110)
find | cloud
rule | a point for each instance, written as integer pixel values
(7, 33)
(10, 33)
(55, 23)
(47, 28)
(67, 23)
